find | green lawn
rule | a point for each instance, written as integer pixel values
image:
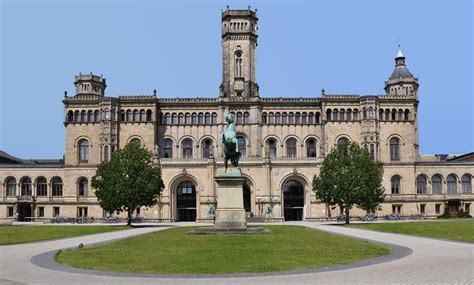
(22, 234)
(173, 252)
(462, 229)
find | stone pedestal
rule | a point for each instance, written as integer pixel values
(230, 212)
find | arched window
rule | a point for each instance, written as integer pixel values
(277, 118)
(83, 116)
(122, 115)
(136, 141)
(371, 112)
(395, 181)
(329, 115)
(57, 184)
(264, 118)
(364, 113)
(107, 113)
(372, 151)
(207, 148)
(70, 116)
(194, 119)
(246, 118)
(136, 117)
(342, 140)
(83, 146)
(380, 114)
(208, 118)
(238, 64)
(77, 116)
(82, 187)
(387, 114)
(113, 114)
(11, 187)
(297, 118)
(106, 153)
(342, 115)
(394, 149)
(90, 114)
(452, 183)
(270, 118)
(400, 114)
(436, 184)
(187, 148)
(291, 147)
(421, 184)
(180, 118)
(214, 118)
(25, 184)
(317, 118)
(242, 146)
(239, 118)
(96, 116)
(174, 119)
(394, 114)
(186, 201)
(349, 114)
(201, 118)
(129, 116)
(335, 115)
(142, 116)
(188, 119)
(291, 118)
(466, 183)
(356, 114)
(167, 148)
(284, 119)
(272, 147)
(148, 115)
(311, 118)
(407, 115)
(311, 150)
(304, 118)
(41, 187)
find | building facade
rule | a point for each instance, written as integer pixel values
(283, 142)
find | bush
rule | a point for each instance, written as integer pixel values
(462, 214)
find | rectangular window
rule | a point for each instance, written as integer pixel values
(438, 209)
(422, 209)
(467, 207)
(40, 212)
(56, 212)
(372, 151)
(9, 211)
(81, 212)
(396, 209)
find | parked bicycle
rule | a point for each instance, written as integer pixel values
(341, 218)
(393, 217)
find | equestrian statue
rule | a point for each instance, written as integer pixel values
(230, 143)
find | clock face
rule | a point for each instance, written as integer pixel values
(238, 54)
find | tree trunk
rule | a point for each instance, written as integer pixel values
(347, 215)
(129, 217)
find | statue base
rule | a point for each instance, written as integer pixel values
(230, 212)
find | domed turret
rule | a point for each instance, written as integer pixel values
(401, 82)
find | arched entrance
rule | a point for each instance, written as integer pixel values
(186, 201)
(247, 198)
(293, 200)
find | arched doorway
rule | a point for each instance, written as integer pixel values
(186, 201)
(293, 200)
(247, 198)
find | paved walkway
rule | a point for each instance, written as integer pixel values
(432, 261)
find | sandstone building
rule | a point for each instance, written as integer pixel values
(283, 143)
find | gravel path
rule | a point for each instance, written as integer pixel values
(415, 260)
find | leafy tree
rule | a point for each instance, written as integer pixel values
(349, 177)
(128, 181)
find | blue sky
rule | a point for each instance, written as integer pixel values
(174, 46)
